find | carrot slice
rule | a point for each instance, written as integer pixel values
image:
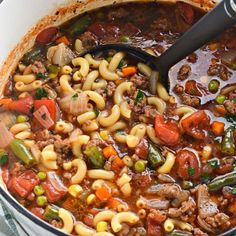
(113, 203)
(117, 164)
(217, 127)
(109, 151)
(64, 40)
(130, 70)
(103, 193)
(5, 101)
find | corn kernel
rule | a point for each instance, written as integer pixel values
(91, 198)
(67, 165)
(75, 190)
(102, 226)
(104, 134)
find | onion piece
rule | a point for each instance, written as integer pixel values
(74, 104)
(56, 182)
(8, 118)
(43, 117)
(5, 136)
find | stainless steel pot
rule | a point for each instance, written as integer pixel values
(20, 22)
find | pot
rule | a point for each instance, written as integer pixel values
(20, 23)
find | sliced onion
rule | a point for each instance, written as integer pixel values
(74, 135)
(5, 136)
(56, 182)
(74, 105)
(62, 55)
(43, 117)
(8, 118)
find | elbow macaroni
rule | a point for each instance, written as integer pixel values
(111, 119)
(68, 222)
(81, 171)
(105, 73)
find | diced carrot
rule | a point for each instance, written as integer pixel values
(109, 151)
(103, 193)
(5, 101)
(117, 164)
(217, 127)
(113, 203)
(119, 81)
(64, 40)
(130, 70)
(232, 208)
(220, 109)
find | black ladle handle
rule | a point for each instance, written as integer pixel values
(220, 18)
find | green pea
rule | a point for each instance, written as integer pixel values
(42, 175)
(140, 166)
(213, 86)
(21, 119)
(220, 99)
(125, 39)
(41, 200)
(38, 190)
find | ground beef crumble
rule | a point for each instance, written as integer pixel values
(190, 101)
(38, 67)
(219, 70)
(184, 72)
(88, 39)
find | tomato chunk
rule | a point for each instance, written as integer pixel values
(54, 187)
(47, 35)
(25, 183)
(196, 125)
(189, 165)
(22, 105)
(167, 131)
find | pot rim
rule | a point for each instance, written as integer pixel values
(44, 22)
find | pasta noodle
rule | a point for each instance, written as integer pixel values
(77, 145)
(89, 115)
(105, 73)
(120, 90)
(26, 79)
(123, 217)
(92, 76)
(115, 61)
(170, 224)
(49, 157)
(158, 103)
(21, 87)
(81, 171)
(96, 98)
(94, 63)
(64, 83)
(169, 163)
(68, 223)
(82, 229)
(111, 119)
(101, 174)
(106, 215)
(83, 64)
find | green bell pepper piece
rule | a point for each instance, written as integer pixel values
(21, 151)
(51, 213)
(95, 157)
(227, 145)
(221, 181)
(155, 157)
(79, 26)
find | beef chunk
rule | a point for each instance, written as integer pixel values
(198, 232)
(219, 70)
(184, 72)
(88, 39)
(38, 67)
(190, 101)
(162, 24)
(111, 87)
(192, 58)
(117, 14)
(140, 81)
(154, 220)
(230, 106)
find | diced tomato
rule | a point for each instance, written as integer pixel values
(25, 183)
(38, 212)
(54, 187)
(187, 12)
(154, 228)
(196, 125)
(189, 165)
(23, 105)
(5, 175)
(51, 106)
(47, 35)
(167, 131)
(142, 149)
(192, 88)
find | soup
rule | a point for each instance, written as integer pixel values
(86, 147)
